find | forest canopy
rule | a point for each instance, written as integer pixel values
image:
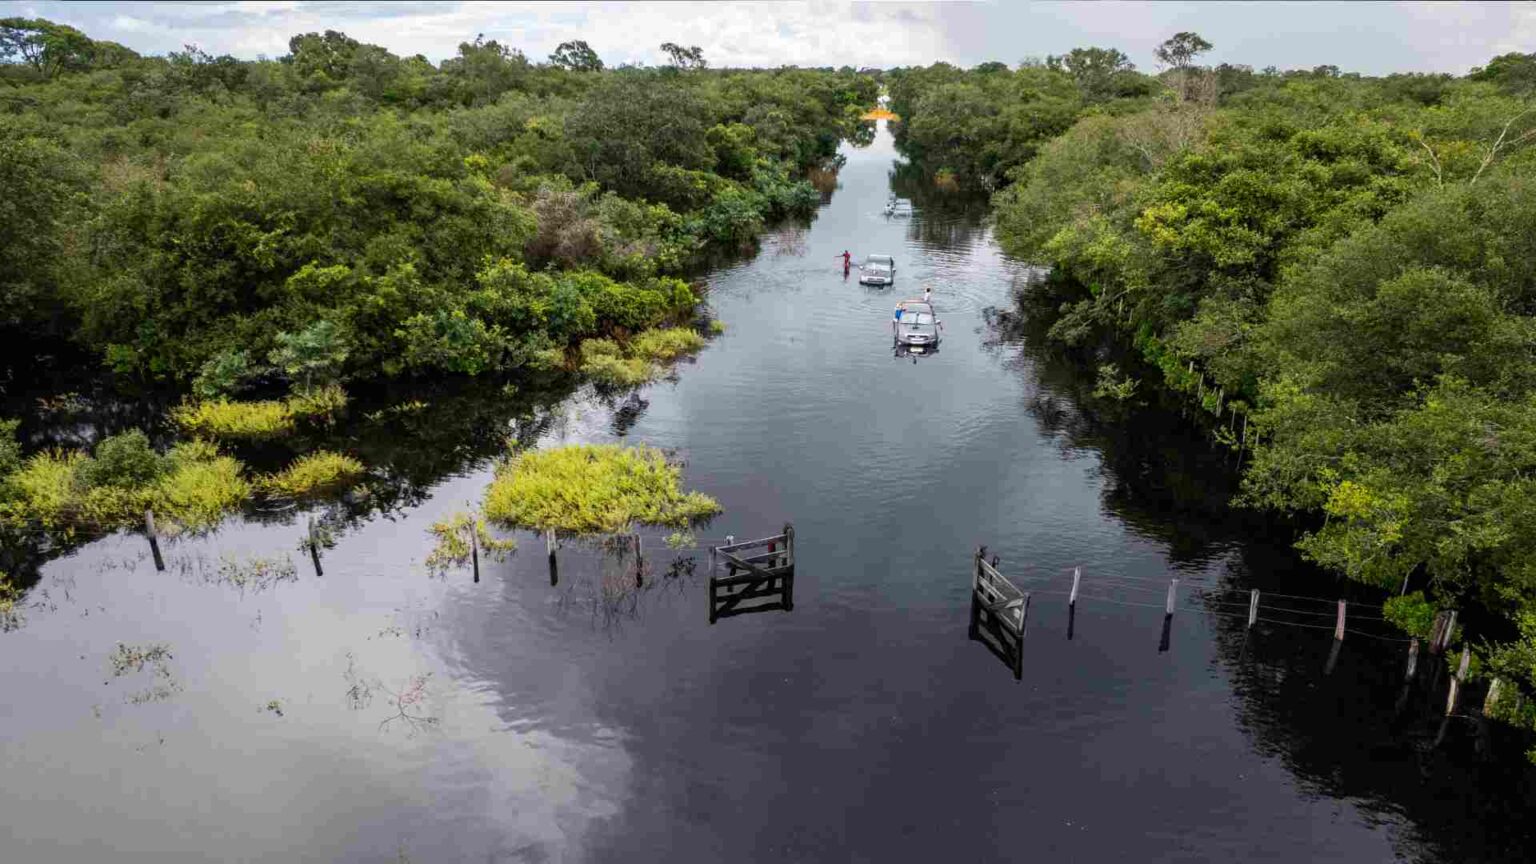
(192, 218)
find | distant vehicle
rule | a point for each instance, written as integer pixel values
(878, 270)
(898, 207)
(917, 325)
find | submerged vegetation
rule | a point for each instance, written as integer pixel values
(1341, 267)
(638, 360)
(593, 489)
(454, 547)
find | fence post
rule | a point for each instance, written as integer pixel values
(1413, 659)
(1173, 586)
(972, 631)
(474, 548)
(639, 563)
(314, 547)
(1253, 608)
(154, 540)
(789, 577)
(1338, 624)
(1077, 578)
(1018, 657)
(550, 542)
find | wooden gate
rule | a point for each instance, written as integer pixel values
(752, 581)
(999, 612)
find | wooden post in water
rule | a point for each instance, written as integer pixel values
(1253, 608)
(1173, 586)
(154, 540)
(639, 563)
(1413, 659)
(1167, 634)
(314, 547)
(1077, 580)
(550, 542)
(789, 580)
(1461, 674)
(1338, 641)
(1018, 657)
(974, 630)
(474, 548)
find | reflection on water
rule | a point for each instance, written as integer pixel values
(375, 711)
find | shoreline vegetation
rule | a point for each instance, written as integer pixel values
(232, 229)
(1336, 270)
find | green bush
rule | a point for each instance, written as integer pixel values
(124, 460)
(592, 489)
(312, 474)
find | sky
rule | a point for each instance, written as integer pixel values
(1371, 38)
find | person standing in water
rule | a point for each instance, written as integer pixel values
(927, 294)
(847, 263)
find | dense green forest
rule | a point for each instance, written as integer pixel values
(1341, 269)
(344, 212)
(259, 238)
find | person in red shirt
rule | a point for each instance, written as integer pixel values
(847, 263)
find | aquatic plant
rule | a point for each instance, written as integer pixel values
(453, 549)
(593, 489)
(716, 326)
(222, 418)
(313, 473)
(10, 615)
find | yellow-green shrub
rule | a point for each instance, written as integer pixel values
(452, 548)
(313, 473)
(318, 402)
(222, 418)
(593, 488)
(201, 488)
(43, 489)
(603, 361)
(666, 343)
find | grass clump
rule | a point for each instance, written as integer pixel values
(313, 473)
(667, 343)
(221, 418)
(593, 489)
(452, 549)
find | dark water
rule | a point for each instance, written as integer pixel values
(512, 720)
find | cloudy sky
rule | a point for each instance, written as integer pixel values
(1365, 37)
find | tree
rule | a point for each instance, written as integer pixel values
(1181, 50)
(1514, 72)
(1096, 70)
(47, 47)
(685, 58)
(577, 56)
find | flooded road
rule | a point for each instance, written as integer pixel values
(378, 714)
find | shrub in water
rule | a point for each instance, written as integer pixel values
(593, 489)
(603, 361)
(453, 548)
(124, 460)
(222, 418)
(666, 344)
(314, 473)
(318, 402)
